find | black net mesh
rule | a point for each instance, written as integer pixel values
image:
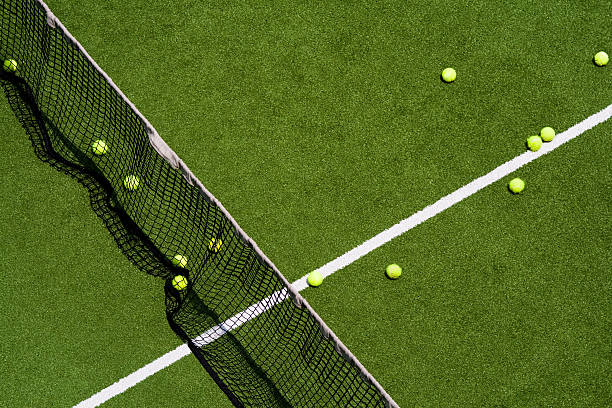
(257, 338)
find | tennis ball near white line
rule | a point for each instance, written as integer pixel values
(99, 147)
(179, 282)
(547, 134)
(10, 65)
(449, 75)
(601, 59)
(215, 245)
(131, 182)
(394, 271)
(315, 278)
(534, 143)
(180, 261)
(516, 185)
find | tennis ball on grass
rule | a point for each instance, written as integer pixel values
(99, 147)
(315, 278)
(179, 282)
(215, 245)
(516, 185)
(534, 143)
(131, 182)
(547, 134)
(601, 59)
(394, 271)
(10, 65)
(180, 261)
(449, 75)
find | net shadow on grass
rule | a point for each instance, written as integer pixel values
(255, 335)
(128, 237)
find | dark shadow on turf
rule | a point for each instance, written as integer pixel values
(128, 236)
(130, 239)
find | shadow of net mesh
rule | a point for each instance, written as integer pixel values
(258, 339)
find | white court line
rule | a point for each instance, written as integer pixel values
(181, 351)
(348, 258)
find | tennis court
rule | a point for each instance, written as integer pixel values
(319, 126)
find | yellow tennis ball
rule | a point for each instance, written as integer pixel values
(601, 59)
(394, 271)
(180, 261)
(10, 65)
(99, 147)
(534, 143)
(179, 282)
(547, 134)
(449, 75)
(315, 278)
(215, 245)
(131, 182)
(516, 185)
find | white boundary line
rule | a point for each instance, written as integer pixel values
(346, 259)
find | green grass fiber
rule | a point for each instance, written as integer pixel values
(318, 125)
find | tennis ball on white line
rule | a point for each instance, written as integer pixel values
(449, 75)
(180, 261)
(131, 182)
(601, 59)
(394, 271)
(534, 143)
(10, 65)
(99, 147)
(315, 278)
(547, 134)
(180, 282)
(215, 245)
(516, 185)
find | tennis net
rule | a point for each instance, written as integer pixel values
(255, 335)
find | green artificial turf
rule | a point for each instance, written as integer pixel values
(318, 126)
(503, 300)
(77, 316)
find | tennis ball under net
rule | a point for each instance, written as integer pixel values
(10, 65)
(180, 261)
(131, 182)
(99, 147)
(179, 282)
(215, 245)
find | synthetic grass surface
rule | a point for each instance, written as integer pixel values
(504, 300)
(318, 126)
(77, 315)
